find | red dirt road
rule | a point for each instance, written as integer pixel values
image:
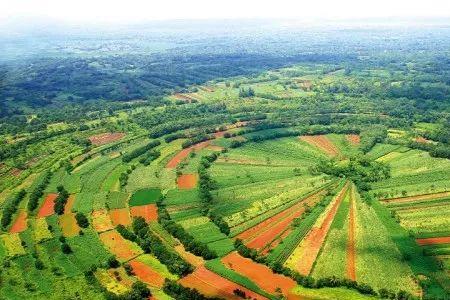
(187, 181)
(212, 285)
(433, 241)
(322, 142)
(146, 274)
(351, 249)
(259, 274)
(47, 208)
(173, 163)
(315, 238)
(20, 224)
(149, 212)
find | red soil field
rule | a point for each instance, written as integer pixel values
(20, 224)
(187, 181)
(293, 210)
(315, 238)
(149, 212)
(353, 139)
(173, 163)
(212, 285)
(433, 241)
(69, 204)
(117, 245)
(322, 142)
(47, 208)
(101, 221)
(120, 216)
(259, 274)
(106, 138)
(351, 250)
(146, 274)
(69, 225)
(418, 197)
(15, 172)
(276, 242)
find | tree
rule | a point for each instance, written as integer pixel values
(65, 248)
(82, 220)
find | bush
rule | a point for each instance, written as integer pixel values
(65, 248)
(113, 262)
(82, 220)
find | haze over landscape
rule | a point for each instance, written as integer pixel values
(224, 150)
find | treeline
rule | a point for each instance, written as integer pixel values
(436, 150)
(361, 170)
(189, 242)
(38, 192)
(150, 243)
(371, 136)
(127, 157)
(11, 208)
(177, 291)
(206, 184)
(196, 139)
(61, 200)
(149, 157)
(123, 178)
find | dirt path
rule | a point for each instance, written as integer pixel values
(433, 241)
(351, 250)
(417, 197)
(315, 238)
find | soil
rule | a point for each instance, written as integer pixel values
(146, 274)
(47, 207)
(117, 245)
(259, 274)
(106, 138)
(149, 212)
(180, 156)
(433, 240)
(353, 139)
(322, 142)
(315, 238)
(187, 181)
(20, 224)
(213, 285)
(120, 216)
(418, 197)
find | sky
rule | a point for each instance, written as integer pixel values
(127, 11)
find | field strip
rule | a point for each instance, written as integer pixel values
(351, 250)
(260, 274)
(313, 242)
(265, 225)
(321, 142)
(263, 217)
(433, 241)
(214, 285)
(417, 197)
(173, 163)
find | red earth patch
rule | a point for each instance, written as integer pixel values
(106, 138)
(20, 224)
(322, 142)
(120, 216)
(187, 181)
(213, 285)
(48, 206)
(433, 241)
(180, 156)
(149, 212)
(260, 274)
(146, 274)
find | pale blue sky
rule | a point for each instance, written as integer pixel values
(142, 10)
